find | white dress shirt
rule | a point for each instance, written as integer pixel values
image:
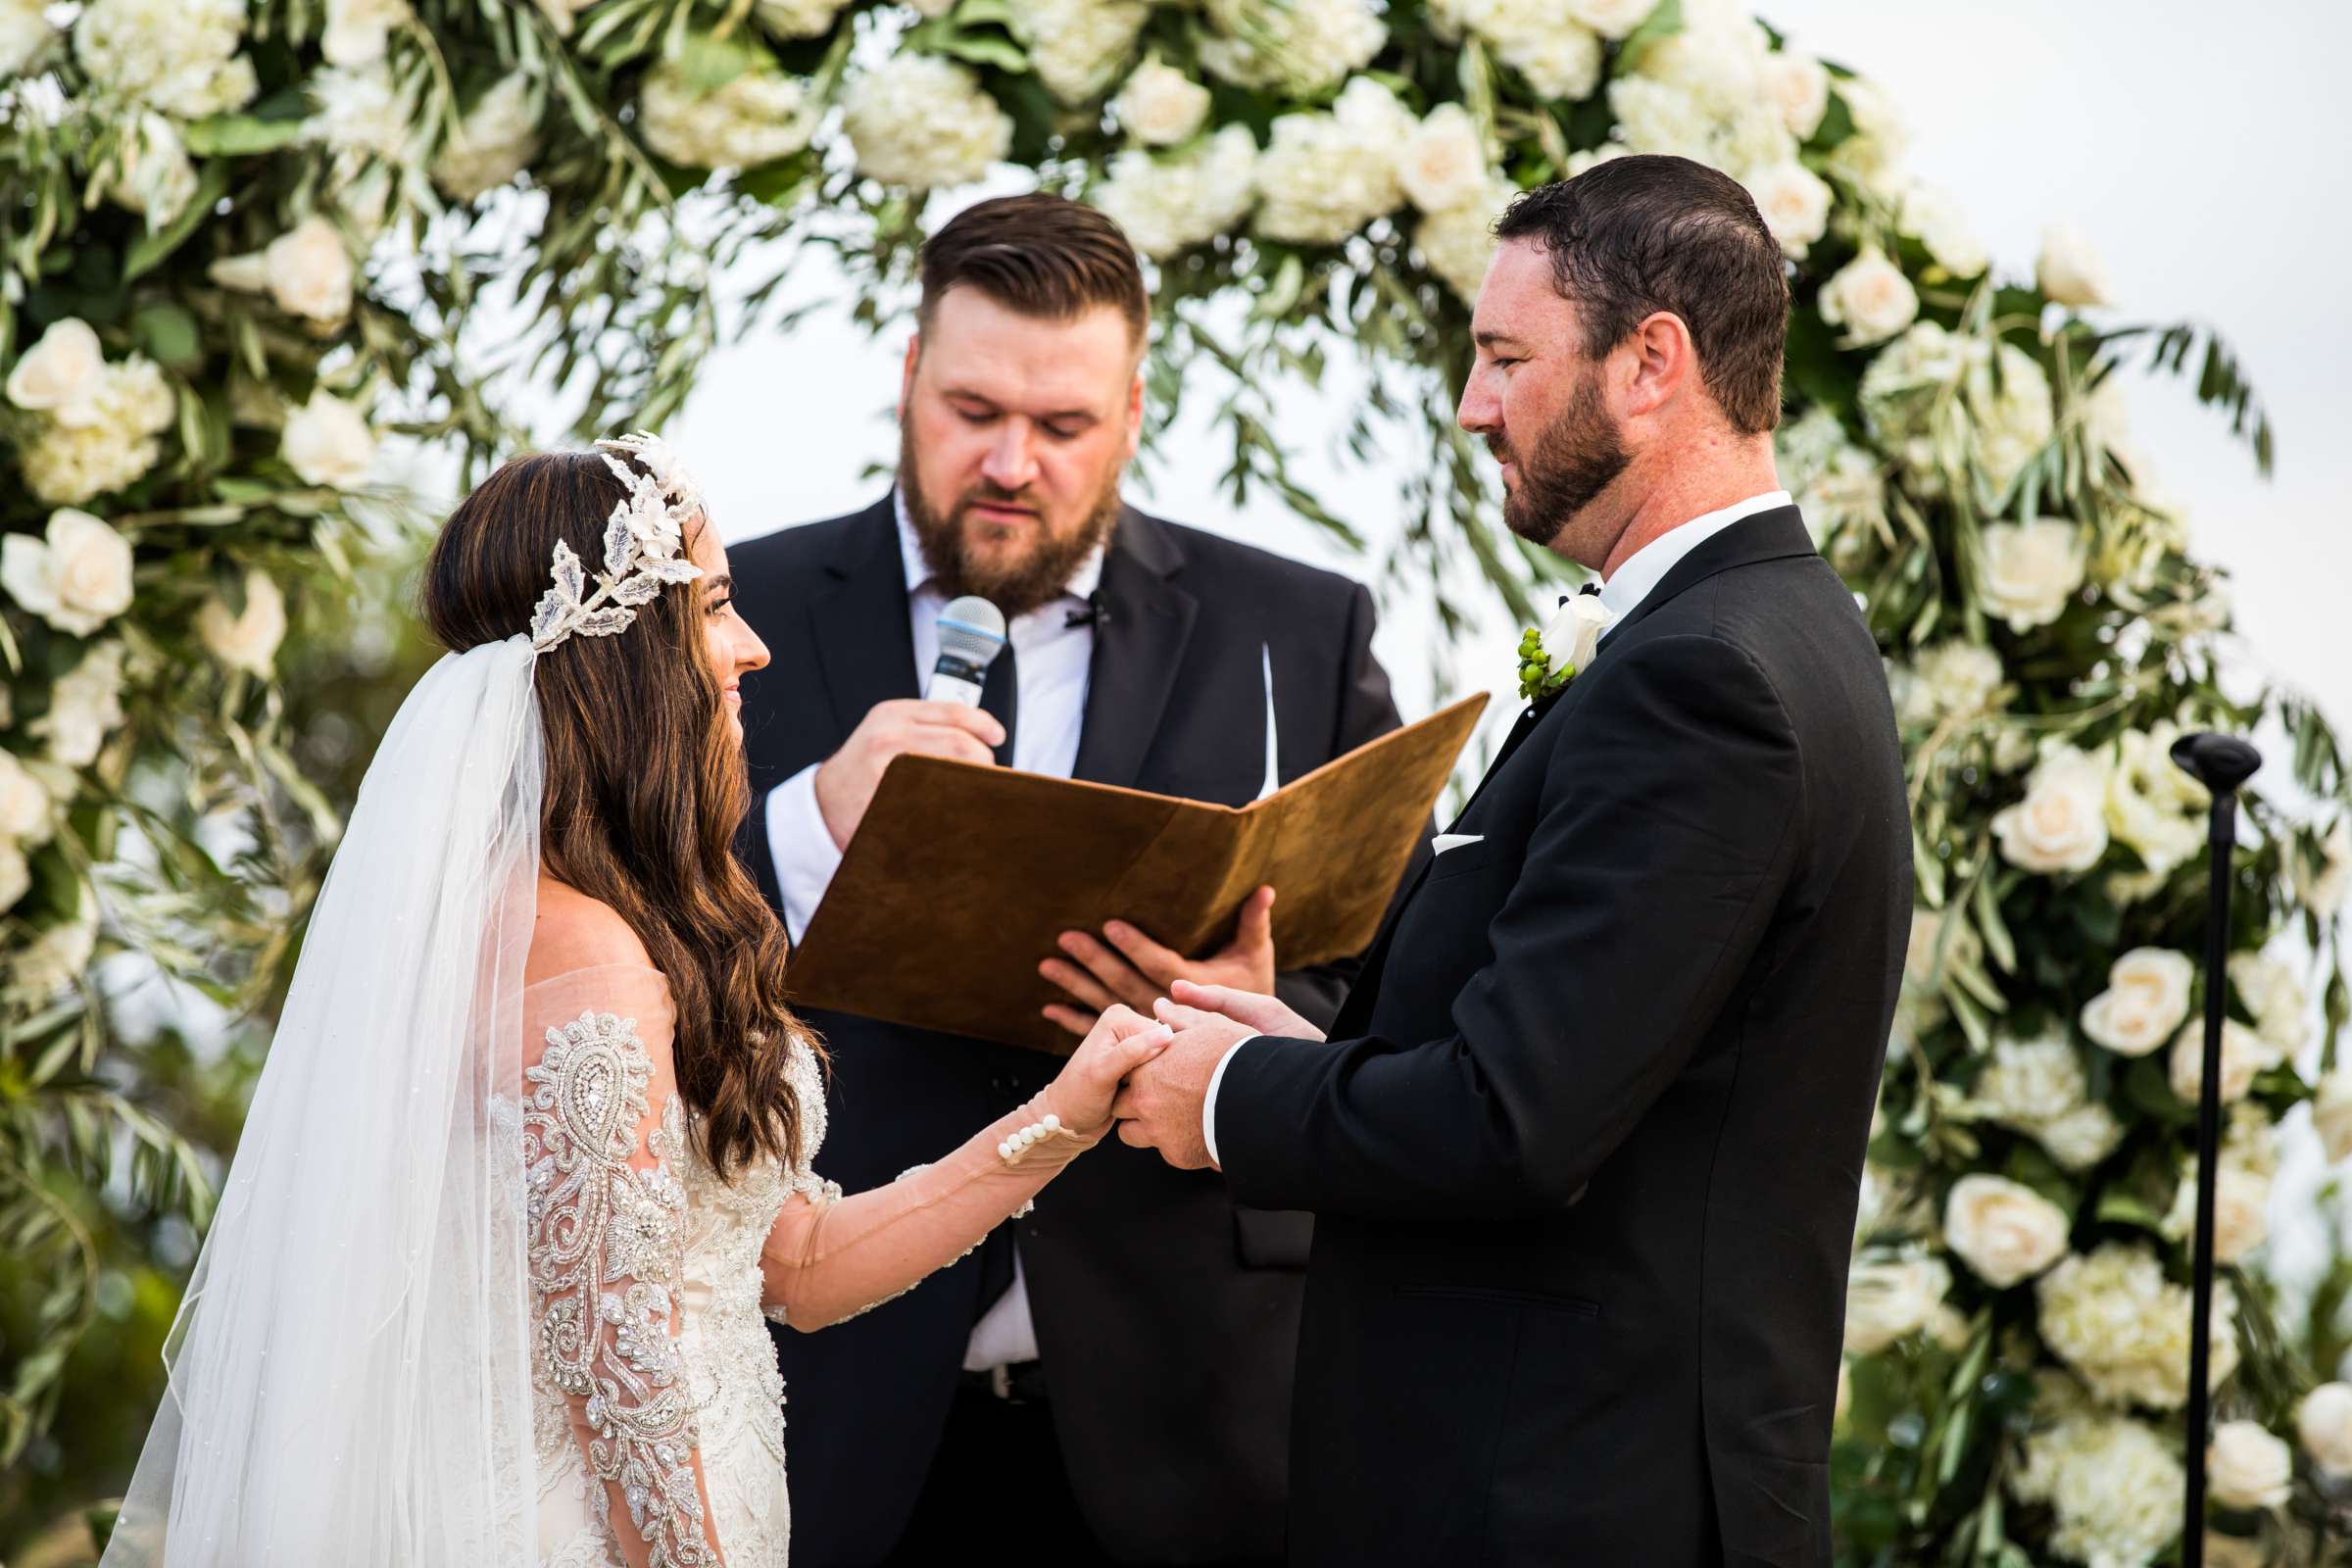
(1053, 659)
(1622, 592)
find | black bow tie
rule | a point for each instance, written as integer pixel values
(1588, 588)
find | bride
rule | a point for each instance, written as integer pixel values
(533, 1153)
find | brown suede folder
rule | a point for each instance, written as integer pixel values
(960, 878)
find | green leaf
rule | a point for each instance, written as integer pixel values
(1656, 27)
(241, 135)
(984, 49)
(169, 335)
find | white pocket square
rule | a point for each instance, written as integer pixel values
(1455, 841)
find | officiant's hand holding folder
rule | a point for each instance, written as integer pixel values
(960, 878)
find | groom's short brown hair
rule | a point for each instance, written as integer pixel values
(1040, 255)
(1648, 233)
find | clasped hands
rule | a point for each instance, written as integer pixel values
(1135, 985)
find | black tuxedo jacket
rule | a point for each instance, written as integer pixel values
(1584, 1148)
(1166, 1317)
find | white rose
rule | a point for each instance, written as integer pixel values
(2241, 1213)
(1871, 298)
(2332, 1114)
(1572, 633)
(1443, 164)
(2145, 999)
(2061, 824)
(923, 122)
(2003, 1230)
(1611, 19)
(309, 271)
(1794, 203)
(2243, 1054)
(247, 641)
(152, 173)
(495, 141)
(85, 706)
(16, 875)
(24, 32)
(60, 375)
(798, 18)
(2032, 571)
(55, 960)
(24, 804)
(1800, 87)
(1160, 105)
(1888, 1298)
(328, 442)
(2250, 1468)
(2275, 997)
(2325, 1424)
(2322, 889)
(1930, 215)
(76, 579)
(2069, 270)
(360, 31)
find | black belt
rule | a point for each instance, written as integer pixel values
(1021, 1383)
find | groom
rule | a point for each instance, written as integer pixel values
(1584, 1145)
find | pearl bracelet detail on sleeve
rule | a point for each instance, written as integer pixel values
(1014, 1150)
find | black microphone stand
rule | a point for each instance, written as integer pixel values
(2219, 763)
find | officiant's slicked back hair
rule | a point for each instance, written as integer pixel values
(645, 789)
(1648, 233)
(1039, 255)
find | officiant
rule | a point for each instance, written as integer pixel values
(1111, 1373)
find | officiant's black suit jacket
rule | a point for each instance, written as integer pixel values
(1584, 1151)
(1167, 1319)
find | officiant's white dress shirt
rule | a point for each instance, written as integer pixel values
(1620, 594)
(1052, 657)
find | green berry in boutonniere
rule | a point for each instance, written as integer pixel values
(1549, 659)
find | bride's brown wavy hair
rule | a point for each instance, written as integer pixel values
(646, 786)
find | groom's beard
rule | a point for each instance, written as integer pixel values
(1026, 582)
(1575, 459)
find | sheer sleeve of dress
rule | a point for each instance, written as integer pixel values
(603, 1140)
(830, 1257)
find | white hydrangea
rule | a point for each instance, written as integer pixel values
(1165, 205)
(362, 115)
(1076, 47)
(2113, 1486)
(1160, 105)
(67, 464)
(2152, 805)
(754, 118)
(1873, 156)
(178, 56)
(1559, 57)
(2082, 1137)
(1702, 94)
(1326, 175)
(1932, 398)
(1794, 203)
(798, 19)
(1305, 46)
(2038, 1087)
(923, 122)
(26, 806)
(495, 141)
(2321, 887)
(1955, 678)
(85, 706)
(2123, 1327)
(24, 32)
(1460, 243)
(1611, 19)
(2274, 994)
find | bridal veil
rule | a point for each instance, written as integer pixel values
(350, 1369)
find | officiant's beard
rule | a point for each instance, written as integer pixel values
(1574, 458)
(1030, 580)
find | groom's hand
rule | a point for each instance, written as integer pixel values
(1160, 1105)
(1127, 968)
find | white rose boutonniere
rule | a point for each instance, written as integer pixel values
(1549, 659)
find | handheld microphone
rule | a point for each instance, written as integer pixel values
(971, 634)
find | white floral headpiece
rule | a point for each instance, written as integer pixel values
(644, 541)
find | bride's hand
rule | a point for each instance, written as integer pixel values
(1262, 1014)
(1121, 1041)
